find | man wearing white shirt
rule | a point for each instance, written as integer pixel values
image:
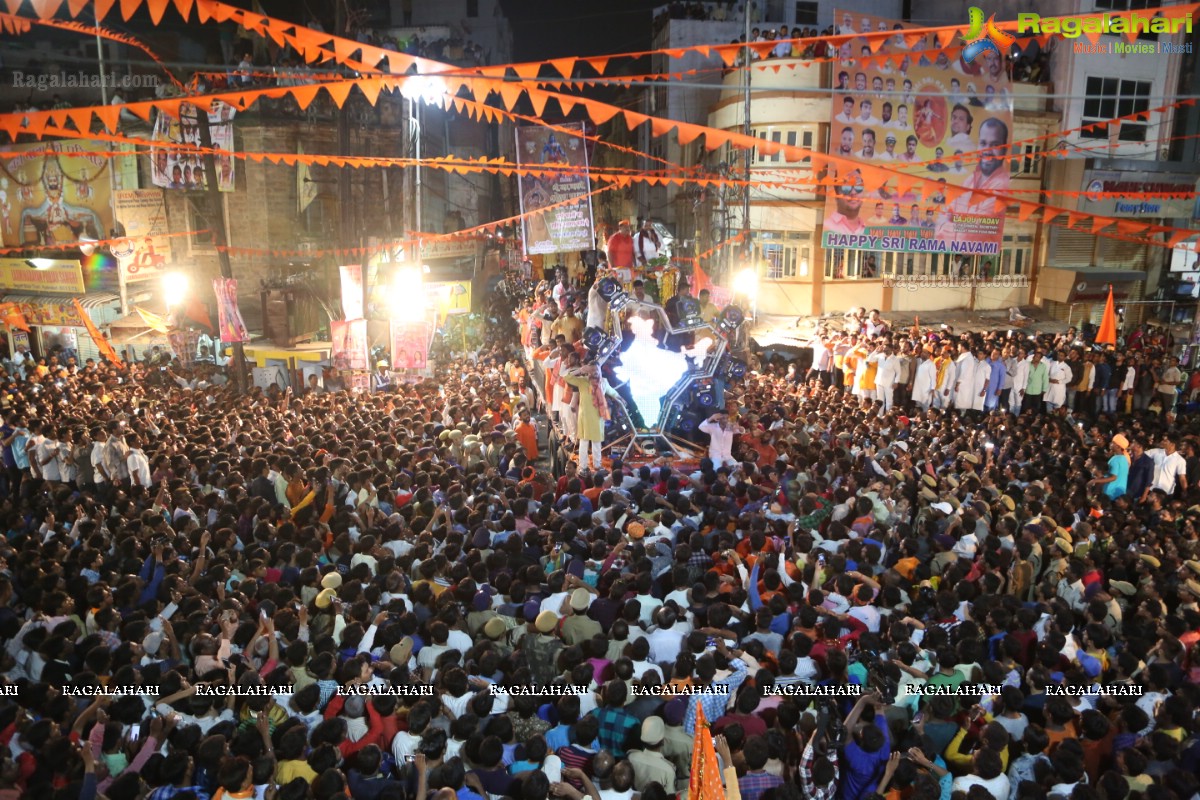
(1170, 468)
(1020, 379)
(720, 430)
(886, 372)
(138, 464)
(667, 639)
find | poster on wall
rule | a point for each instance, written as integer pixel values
(349, 343)
(54, 193)
(565, 228)
(410, 345)
(175, 169)
(923, 114)
(142, 219)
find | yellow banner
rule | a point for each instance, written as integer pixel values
(62, 277)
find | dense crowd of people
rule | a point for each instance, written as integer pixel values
(320, 594)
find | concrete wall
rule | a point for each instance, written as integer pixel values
(786, 298)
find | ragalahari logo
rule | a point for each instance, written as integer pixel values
(982, 37)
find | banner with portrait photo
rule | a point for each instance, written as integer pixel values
(54, 194)
(565, 228)
(173, 169)
(410, 345)
(925, 115)
(349, 349)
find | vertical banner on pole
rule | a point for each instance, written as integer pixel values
(352, 291)
(349, 344)
(233, 329)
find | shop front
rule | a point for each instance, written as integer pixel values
(44, 290)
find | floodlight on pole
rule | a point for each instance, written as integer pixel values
(408, 295)
(746, 283)
(175, 288)
(427, 88)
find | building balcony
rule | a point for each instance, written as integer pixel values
(778, 75)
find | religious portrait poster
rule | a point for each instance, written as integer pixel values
(55, 192)
(565, 228)
(911, 108)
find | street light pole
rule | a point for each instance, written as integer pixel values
(748, 153)
(220, 234)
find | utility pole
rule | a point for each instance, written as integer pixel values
(749, 152)
(346, 217)
(217, 223)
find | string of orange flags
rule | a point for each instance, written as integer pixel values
(325, 46)
(15, 25)
(96, 243)
(315, 45)
(567, 104)
(488, 165)
(417, 239)
(873, 177)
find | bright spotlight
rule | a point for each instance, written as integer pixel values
(175, 288)
(746, 282)
(408, 295)
(40, 263)
(428, 88)
(87, 246)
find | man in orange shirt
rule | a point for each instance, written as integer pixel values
(620, 247)
(527, 435)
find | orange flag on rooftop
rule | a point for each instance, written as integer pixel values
(705, 780)
(1108, 325)
(102, 344)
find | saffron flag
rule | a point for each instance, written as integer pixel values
(153, 321)
(13, 317)
(704, 783)
(102, 344)
(1108, 325)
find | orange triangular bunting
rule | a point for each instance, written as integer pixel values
(304, 95)
(184, 7)
(47, 8)
(1099, 224)
(598, 64)
(102, 8)
(157, 8)
(128, 7)
(76, 6)
(946, 36)
(339, 91)
(1026, 210)
(82, 119)
(565, 66)
(109, 116)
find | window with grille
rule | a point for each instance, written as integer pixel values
(800, 138)
(1026, 160)
(1114, 97)
(852, 264)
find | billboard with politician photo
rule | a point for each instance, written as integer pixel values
(917, 108)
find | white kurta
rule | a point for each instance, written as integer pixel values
(1057, 393)
(971, 380)
(925, 382)
(1020, 379)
